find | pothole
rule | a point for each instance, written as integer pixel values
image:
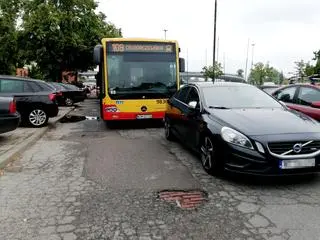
(188, 200)
(77, 118)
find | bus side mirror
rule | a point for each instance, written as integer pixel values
(97, 54)
(182, 65)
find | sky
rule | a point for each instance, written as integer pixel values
(282, 31)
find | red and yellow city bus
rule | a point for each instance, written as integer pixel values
(136, 77)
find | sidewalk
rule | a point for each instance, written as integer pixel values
(13, 144)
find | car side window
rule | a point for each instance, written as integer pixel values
(308, 95)
(11, 86)
(35, 87)
(182, 94)
(193, 96)
(27, 87)
(286, 95)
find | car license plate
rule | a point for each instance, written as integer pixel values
(145, 116)
(298, 163)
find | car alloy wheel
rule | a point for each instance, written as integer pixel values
(38, 117)
(167, 130)
(69, 102)
(207, 154)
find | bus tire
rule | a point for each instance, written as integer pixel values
(110, 124)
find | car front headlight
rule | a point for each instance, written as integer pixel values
(234, 137)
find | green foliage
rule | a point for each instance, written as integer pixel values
(210, 72)
(240, 72)
(56, 35)
(9, 52)
(281, 78)
(61, 35)
(316, 69)
(261, 73)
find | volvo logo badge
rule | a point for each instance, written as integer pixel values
(297, 148)
(144, 108)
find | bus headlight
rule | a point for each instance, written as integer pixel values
(112, 109)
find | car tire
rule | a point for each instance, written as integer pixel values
(210, 157)
(69, 102)
(37, 118)
(167, 130)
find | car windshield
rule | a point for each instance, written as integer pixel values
(132, 75)
(244, 96)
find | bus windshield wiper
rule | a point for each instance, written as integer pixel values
(218, 107)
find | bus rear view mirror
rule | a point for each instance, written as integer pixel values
(182, 65)
(97, 54)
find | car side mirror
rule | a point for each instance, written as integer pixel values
(316, 104)
(192, 105)
(285, 98)
(97, 54)
(182, 65)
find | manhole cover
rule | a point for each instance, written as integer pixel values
(184, 199)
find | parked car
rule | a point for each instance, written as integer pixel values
(68, 94)
(36, 100)
(304, 98)
(9, 117)
(239, 128)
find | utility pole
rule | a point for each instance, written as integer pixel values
(246, 69)
(218, 45)
(253, 44)
(224, 63)
(214, 38)
(165, 33)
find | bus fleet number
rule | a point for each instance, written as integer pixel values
(162, 101)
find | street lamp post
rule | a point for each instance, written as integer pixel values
(246, 70)
(214, 38)
(253, 44)
(165, 33)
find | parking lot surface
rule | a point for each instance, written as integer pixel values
(85, 181)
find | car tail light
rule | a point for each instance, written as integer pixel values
(111, 108)
(13, 107)
(59, 94)
(52, 96)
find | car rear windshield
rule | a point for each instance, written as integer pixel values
(58, 86)
(245, 96)
(71, 87)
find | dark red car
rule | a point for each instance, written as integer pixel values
(304, 98)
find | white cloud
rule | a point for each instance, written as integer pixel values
(283, 31)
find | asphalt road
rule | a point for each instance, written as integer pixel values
(85, 181)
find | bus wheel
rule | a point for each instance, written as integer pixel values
(110, 124)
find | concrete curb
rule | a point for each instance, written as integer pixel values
(15, 153)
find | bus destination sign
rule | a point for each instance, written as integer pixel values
(140, 47)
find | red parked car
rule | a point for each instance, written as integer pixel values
(304, 98)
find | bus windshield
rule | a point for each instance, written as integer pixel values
(141, 75)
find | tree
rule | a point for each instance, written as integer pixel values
(281, 78)
(316, 69)
(60, 35)
(240, 72)
(263, 72)
(9, 52)
(210, 72)
(300, 69)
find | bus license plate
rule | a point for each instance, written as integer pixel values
(298, 163)
(144, 116)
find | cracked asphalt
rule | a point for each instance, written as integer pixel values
(84, 181)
